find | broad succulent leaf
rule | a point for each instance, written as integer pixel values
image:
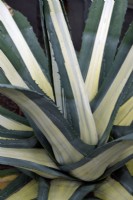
(68, 67)
(75, 138)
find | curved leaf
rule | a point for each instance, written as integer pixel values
(105, 157)
(39, 107)
(111, 189)
(24, 50)
(29, 191)
(19, 182)
(114, 33)
(89, 35)
(68, 66)
(93, 73)
(62, 189)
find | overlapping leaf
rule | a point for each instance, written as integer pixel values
(59, 150)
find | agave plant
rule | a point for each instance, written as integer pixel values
(75, 140)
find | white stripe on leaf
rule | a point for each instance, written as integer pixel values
(24, 50)
(104, 111)
(86, 122)
(92, 78)
(124, 116)
(63, 150)
(62, 189)
(13, 125)
(112, 189)
(10, 72)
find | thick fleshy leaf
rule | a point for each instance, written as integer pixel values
(58, 90)
(29, 191)
(62, 189)
(130, 166)
(3, 78)
(43, 189)
(92, 198)
(112, 41)
(94, 68)
(110, 189)
(39, 107)
(123, 52)
(26, 54)
(13, 186)
(124, 178)
(34, 160)
(124, 116)
(10, 72)
(15, 63)
(121, 55)
(27, 31)
(15, 134)
(82, 191)
(89, 35)
(108, 104)
(68, 66)
(105, 157)
(12, 121)
(13, 125)
(119, 131)
(18, 143)
(44, 30)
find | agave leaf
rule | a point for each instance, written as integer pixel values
(13, 125)
(121, 55)
(92, 198)
(14, 116)
(124, 116)
(119, 131)
(43, 189)
(62, 188)
(29, 191)
(108, 104)
(15, 134)
(130, 166)
(34, 160)
(112, 41)
(68, 67)
(24, 50)
(82, 191)
(12, 121)
(44, 31)
(111, 189)
(39, 107)
(89, 35)
(93, 73)
(61, 84)
(20, 69)
(124, 178)
(105, 157)
(3, 78)
(57, 84)
(15, 130)
(13, 186)
(18, 143)
(10, 72)
(124, 157)
(29, 35)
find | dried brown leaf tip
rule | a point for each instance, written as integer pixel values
(9, 8)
